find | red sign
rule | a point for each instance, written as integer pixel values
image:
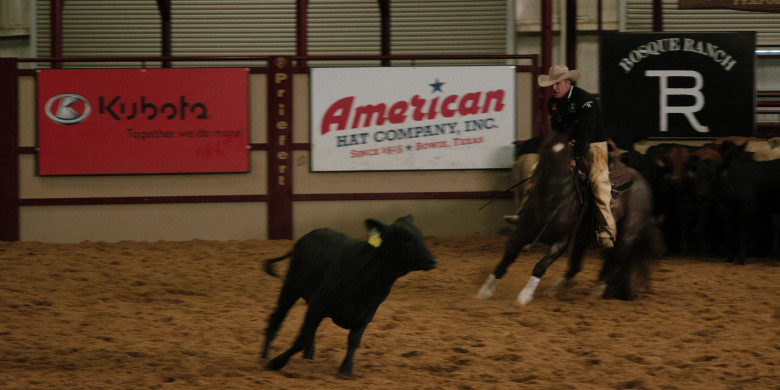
(138, 121)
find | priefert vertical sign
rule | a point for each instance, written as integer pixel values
(279, 149)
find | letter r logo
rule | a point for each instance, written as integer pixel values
(664, 91)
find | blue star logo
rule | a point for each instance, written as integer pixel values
(437, 86)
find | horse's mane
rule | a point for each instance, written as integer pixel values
(552, 177)
(554, 156)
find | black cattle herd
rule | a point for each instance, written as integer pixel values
(720, 199)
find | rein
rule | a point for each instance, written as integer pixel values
(504, 192)
(552, 215)
(547, 221)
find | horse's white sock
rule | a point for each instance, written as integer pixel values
(527, 294)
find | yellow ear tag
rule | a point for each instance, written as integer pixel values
(374, 239)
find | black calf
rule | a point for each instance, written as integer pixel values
(345, 280)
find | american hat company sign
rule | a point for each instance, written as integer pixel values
(678, 85)
(412, 118)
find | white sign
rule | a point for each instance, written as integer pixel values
(412, 118)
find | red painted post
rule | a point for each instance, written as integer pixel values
(280, 148)
(55, 34)
(571, 34)
(9, 158)
(547, 45)
(384, 15)
(658, 16)
(302, 30)
(164, 7)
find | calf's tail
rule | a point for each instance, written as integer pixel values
(269, 264)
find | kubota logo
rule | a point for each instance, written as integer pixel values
(71, 109)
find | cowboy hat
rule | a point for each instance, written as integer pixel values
(558, 73)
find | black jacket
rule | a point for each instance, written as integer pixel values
(578, 110)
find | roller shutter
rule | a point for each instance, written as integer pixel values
(132, 28)
(267, 27)
(417, 27)
(102, 28)
(639, 17)
(449, 27)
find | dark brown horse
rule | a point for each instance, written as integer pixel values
(559, 213)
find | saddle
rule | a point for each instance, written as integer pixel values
(620, 176)
(620, 179)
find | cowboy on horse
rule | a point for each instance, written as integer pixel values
(575, 110)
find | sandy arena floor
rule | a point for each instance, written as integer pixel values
(191, 315)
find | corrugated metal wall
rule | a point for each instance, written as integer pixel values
(449, 26)
(102, 29)
(233, 28)
(340, 27)
(267, 27)
(112, 28)
(639, 17)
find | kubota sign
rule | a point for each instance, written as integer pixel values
(137, 121)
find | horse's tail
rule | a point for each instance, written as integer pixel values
(269, 264)
(648, 250)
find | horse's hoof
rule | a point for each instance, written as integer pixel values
(563, 283)
(487, 289)
(276, 364)
(483, 294)
(601, 290)
(560, 287)
(527, 294)
(524, 300)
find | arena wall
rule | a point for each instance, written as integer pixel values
(235, 206)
